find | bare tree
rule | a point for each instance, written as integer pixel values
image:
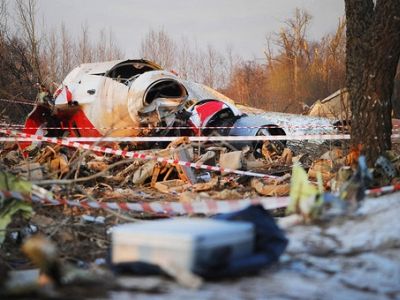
(289, 69)
(336, 57)
(231, 60)
(268, 52)
(113, 52)
(184, 59)
(295, 38)
(26, 12)
(66, 51)
(84, 50)
(106, 47)
(159, 47)
(101, 46)
(211, 60)
(373, 51)
(196, 63)
(51, 56)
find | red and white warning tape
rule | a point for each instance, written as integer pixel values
(131, 154)
(20, 137)
(295, 137)
(190, 138)
(207, 207)
(329, 127)
(383, 190)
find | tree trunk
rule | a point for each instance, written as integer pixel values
(373, 50)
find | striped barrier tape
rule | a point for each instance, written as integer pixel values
(293, 137)
(309, 137)
(332, 128)
(178, 127)
(191, 138)
(206, 207)
(132, 154)
(383, 190)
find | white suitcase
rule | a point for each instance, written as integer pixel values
(184, 243)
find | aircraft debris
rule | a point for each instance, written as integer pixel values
(133, 98)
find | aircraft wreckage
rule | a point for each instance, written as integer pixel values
(126, 98)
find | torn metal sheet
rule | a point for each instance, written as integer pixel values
(122, 95)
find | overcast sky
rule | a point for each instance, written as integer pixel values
(241, 24)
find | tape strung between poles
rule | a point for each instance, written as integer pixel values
(191, 138)
(331, 127)
(207, 207)
(132, 154)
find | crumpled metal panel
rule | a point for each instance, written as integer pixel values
(138, 90)
(199, 92)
